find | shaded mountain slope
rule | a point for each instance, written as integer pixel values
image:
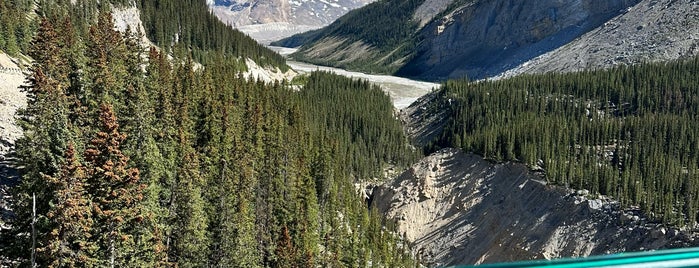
(468, 38)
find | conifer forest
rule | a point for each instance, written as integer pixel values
(629, 132)
(163, 154)
(167, 156)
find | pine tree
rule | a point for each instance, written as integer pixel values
(286, 252)
(69, 243)
(106, 70)
(47, 130)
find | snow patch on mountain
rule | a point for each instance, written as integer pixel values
(282, 18)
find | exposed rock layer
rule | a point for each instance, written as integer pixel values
(458, 208)
(653, 30)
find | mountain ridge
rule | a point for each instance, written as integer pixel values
(481, 39)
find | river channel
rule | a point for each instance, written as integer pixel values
(403, 91)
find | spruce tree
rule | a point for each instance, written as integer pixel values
(69, 242)
(116, 192)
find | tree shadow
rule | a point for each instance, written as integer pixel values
(9, 178)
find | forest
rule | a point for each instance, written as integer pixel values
(146, 157)
(630, 132)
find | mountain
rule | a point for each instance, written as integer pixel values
(268, 20)
(442, 39)
(650, 31)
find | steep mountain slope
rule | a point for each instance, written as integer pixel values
(457, 208)
(614, 132)
(648, 32)
(270, 20)
(11, 100)
(490, 37)
(475, 38)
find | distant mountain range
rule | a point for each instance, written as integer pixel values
(268, 20)
(444, 39)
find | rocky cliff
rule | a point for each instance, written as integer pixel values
(485, 38)
(474, 38)
(653, 30)
(457, 208)
(11, 100)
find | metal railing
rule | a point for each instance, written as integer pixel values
(8, 70)
(685, 257)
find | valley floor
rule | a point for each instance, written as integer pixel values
(403, 91)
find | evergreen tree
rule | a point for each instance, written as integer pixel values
(116, 192)
(68, 244)
(191, 241)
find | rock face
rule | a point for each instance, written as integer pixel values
(268, 20)
(425, 119)
(457, 208)
(11, 100)
(653, 30)
(485, 38)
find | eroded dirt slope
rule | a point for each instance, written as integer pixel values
(457, 208)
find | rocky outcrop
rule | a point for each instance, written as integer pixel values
(457, 208)
(11, 100)
(653, 30)
(425, 119)
(484, 38)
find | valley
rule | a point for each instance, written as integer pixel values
(182, 147)
(403, 91)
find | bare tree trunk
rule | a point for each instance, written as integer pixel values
(112, 249)
(33, 230)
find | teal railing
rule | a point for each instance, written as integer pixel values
(685, 257)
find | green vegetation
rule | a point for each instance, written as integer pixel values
(182, 27)
(191, 25)
(15, 27)
(353, 109)
(628, 132)
(138, 159)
